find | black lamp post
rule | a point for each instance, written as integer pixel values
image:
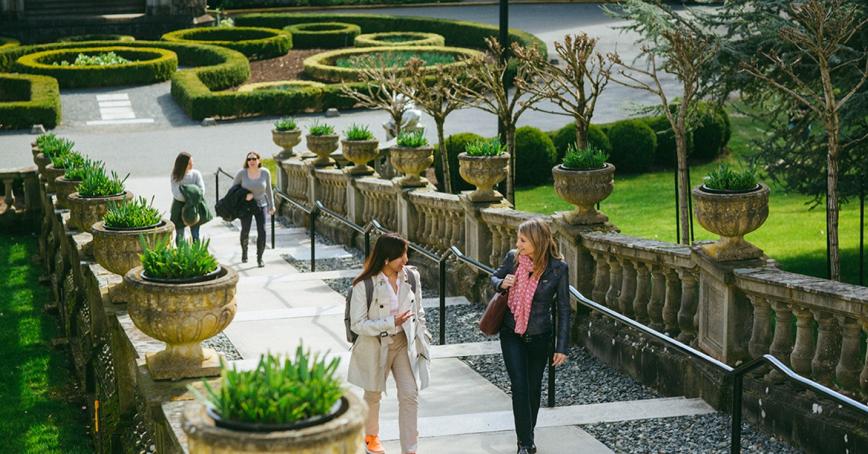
(503, 38)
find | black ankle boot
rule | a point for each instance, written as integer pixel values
(243, 252)
(259, 252)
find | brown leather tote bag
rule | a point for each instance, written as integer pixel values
(492, 318)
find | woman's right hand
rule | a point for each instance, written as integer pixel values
(401, 318)
(507, 281)
(249, 197)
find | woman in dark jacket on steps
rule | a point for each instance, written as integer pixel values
(257, 180)
(536, 277)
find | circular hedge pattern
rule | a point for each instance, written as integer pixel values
(399, 39)
(6, 43)
(323, 35)
(322, 66)
(281, 85)
(148, 65)
(96, 37)
(257, 43)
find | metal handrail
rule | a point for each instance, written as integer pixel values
(312, 213)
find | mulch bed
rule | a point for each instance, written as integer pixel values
(287, 67)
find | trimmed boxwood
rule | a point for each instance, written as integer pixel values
(26, 100)
(455, 145)
(565, 136)
(321, 66)
(633, 145)
(535, 156)
(148, 65)
(399, 39)
(323, 35)
(6, 43)
(257, 43)
(96, 37)
(711, 133)
(281, 85)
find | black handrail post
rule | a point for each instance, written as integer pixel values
(272, 230)
(367, 242)
(735, 429)
(313, 214)
(442, 284)
(217, 186)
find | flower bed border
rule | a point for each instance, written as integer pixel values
(316, 66)
(41, 106)
(423, 39)
(276, 44)
(341, 36)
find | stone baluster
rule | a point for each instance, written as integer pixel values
(828, 348)
(673, 301)
(782, 342)
(424, 228)
(614, 282)
(689, 301)
(803, 350)
(496, 245)
(761, 333)
(657, 298)
(863, 377)
(8, 194)
(601, 277)
(643, 289)
(457, 229)
(628, 287)
(847, 369)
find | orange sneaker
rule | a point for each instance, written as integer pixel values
(373, 445)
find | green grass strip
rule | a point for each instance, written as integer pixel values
(39, 405)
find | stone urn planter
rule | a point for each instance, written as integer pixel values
(63, 188)
(285, 140)
(360, 153)
(584, 189)
(732, 215)
(84, 212)
(41, 162)
(182, 314)
(484, 172)
(322, 146)
(341, 435)
(118, 250)
(412, 162)
(51, 174)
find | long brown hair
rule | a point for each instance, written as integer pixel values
(389, 247)
(545, 247)
(246, 165)
(181, 163)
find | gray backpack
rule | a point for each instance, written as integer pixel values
(369, 297)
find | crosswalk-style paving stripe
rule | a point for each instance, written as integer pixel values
(116, 109)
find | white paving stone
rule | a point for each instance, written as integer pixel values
(550, 440)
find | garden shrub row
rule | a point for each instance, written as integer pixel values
(322, 66)
(399, 39)
(96, 37)
(6, 43)
(289, 3)
(257, 43)
(147, 65)
(323, 35)
(26, 100)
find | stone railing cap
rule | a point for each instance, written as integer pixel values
(807, 284)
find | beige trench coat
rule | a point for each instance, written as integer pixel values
(368, 359)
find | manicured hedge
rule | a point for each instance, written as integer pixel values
(321, 66)
(633, 145)
(704, 143)
(148, 65)
(323, 35)
(565, 136)
(226, 4)
(257, 43)
(6, 43)
(26, 100)
(96, 37)
(411, 39)
(454, 146)
(281, 85)
(534, 156)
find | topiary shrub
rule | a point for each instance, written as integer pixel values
(145, 66)
(323, 35)
(6, 43)
(96, 37)
(633, 145)
(257, 43)
(711, 133)
(664, 156)
(535, 155)
(399, 39)
(565, 136)
(338, 66)
(455, 145)
(26, 100)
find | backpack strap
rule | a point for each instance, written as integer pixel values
(411, 276)
(369, 291)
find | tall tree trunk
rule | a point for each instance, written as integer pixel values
(832, 188)
(581, 135)
(683, 184)
(444, 158)
(510, 148)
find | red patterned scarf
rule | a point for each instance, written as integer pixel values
(521, 293)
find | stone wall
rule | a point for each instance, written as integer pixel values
(731, 310)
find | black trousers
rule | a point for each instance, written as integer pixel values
(526, 359)
(259, 214)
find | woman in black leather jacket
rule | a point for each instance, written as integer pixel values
(536, 277)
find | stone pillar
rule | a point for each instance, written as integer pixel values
(355, 200)
(582, 264)
(314, 187)
(848, 367)
(406, 218)
(477, 237)
(725, 313)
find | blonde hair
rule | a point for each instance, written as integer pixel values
(545, 247)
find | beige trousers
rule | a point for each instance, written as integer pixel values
(399, 364)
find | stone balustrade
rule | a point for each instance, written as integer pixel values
(331, 189)
(503, 225)
(20, 196)
(379, 201)
(297, 185)
(438, 220)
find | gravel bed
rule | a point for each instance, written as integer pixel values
(222, 344)
(684, 434)
(341, 263)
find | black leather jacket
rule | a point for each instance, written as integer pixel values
(553, 286)
(234, 204)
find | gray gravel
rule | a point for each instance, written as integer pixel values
(222, 344)
(342, 263)
(684, 434)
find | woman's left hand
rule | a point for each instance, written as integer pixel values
(270, 211)
(559, 358)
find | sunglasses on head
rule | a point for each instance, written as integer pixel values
(252, 158)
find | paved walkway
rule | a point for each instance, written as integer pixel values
(279, 307)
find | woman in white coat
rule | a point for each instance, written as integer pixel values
(392, 337)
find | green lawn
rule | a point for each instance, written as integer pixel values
(794, 235)
(40, 409)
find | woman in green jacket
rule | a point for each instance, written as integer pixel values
(182, 174)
